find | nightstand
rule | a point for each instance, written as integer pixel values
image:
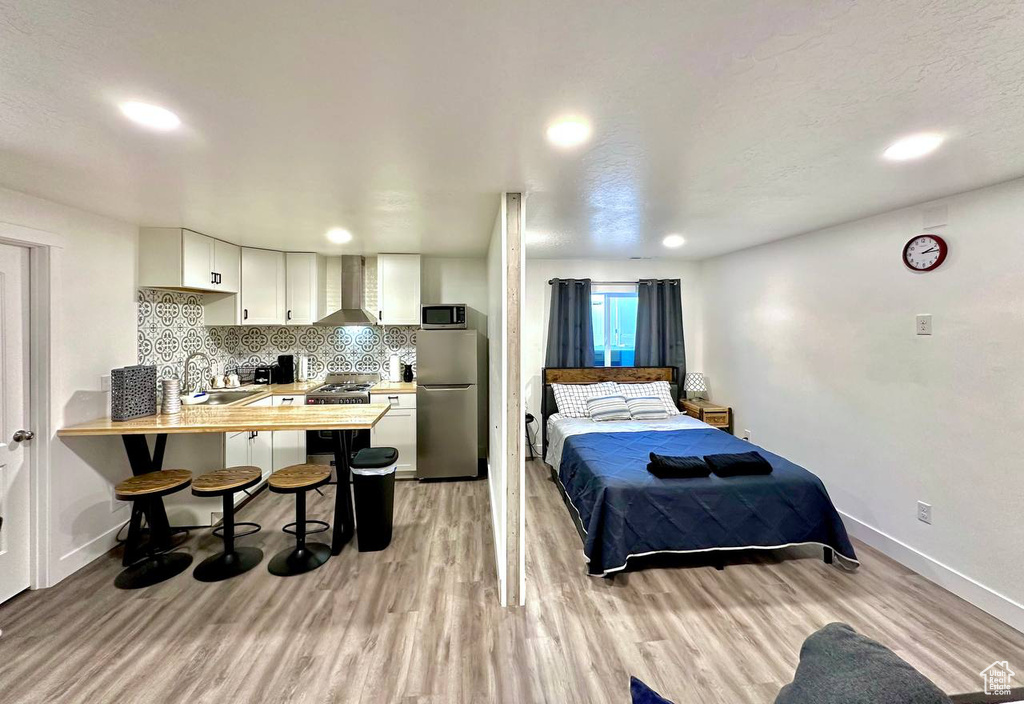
(715, 415)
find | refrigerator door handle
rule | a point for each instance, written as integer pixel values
(444, 387)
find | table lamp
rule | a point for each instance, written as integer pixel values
(695, 384)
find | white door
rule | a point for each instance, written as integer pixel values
(398, 289)
(14, 466)
(263, 287)
(301, 282)
(197, 261)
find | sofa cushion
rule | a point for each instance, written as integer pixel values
(840, 666)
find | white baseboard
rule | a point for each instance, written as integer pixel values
(1002, 607)
(81, 556)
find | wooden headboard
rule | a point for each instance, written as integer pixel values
(594, 375)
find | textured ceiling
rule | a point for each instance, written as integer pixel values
(733, 123)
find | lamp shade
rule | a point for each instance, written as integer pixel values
(694, 382)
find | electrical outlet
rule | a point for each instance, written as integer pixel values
(924, 324)
(746, 435)
(924, 512)
(105, 382)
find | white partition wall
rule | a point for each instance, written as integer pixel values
(505, 417)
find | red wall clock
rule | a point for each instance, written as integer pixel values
(925, 252)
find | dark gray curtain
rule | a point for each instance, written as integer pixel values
(659, 325)
(570, 326)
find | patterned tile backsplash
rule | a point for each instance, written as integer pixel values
(171, 328)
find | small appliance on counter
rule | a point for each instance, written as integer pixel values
(287, 364)
(262, 375)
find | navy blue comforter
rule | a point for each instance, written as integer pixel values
(626, 511)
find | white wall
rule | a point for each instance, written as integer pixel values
(537, 302)
(453, 280)
(94, 321)
(812, 341)
(497, 392)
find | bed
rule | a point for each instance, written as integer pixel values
(622, 511)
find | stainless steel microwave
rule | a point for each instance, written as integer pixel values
(443, 316)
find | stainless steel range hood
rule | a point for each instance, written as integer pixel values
(353, 310)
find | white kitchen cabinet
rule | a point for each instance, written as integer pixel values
(302, 286)
(197, 261)
(250, 448)
(172, 257)
(397, 429)
(289, 445)
(227, 266)
(263, 287)
(398, 289)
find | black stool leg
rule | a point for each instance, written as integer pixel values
(157, 567)
(304, 557)
(232, 561)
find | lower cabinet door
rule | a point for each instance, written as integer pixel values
(261, 452)
(289, 448)
(397, 429)
(236, 449)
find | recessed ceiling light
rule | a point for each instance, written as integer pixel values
(339, 235)
(674, 241)
(152, 116)
(569, 132)
(913, 147)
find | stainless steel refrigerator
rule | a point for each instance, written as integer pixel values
(451, 401)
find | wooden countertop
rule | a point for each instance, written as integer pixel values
(394, 387)
(236, 418)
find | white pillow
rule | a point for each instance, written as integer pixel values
(659, 389)
(647, 408)
(603, 408)
(572, 398)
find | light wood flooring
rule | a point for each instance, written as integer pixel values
(419, 622)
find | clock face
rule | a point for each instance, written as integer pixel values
(925, 252)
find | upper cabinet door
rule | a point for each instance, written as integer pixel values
(227, 266)
(398, 289)
(263, 287)
(302, 288)
(197, 261)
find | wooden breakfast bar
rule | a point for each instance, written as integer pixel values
(340, 419)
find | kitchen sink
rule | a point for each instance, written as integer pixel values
(222, 398)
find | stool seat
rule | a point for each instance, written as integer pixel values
(226, 481)
(152, 484)
(299, 478)
(375, 458)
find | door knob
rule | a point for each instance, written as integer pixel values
(22, 435)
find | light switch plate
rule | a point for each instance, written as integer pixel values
(924, 324)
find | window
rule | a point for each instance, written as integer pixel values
(613, 310)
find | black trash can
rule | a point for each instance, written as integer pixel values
(373, 480)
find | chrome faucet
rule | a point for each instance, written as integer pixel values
(209, 362)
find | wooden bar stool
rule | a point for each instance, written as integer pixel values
(232, 561)
(304, 557)
(159, 564)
